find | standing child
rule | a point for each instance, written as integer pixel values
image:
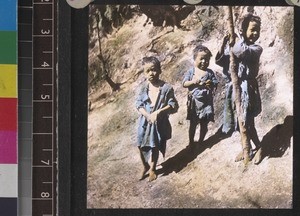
(247, 54)
(155, 102)
(201, 82)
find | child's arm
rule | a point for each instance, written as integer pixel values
(195, 82)
(222, 57)
(188, 80)
(242, 50)
(171, 107)
(145, 113)
(224, 42)
(140, 103)
(212, 82)
(153, 116)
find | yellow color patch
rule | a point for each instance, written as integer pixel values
(8, 81)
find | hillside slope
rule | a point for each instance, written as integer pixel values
(207, 177)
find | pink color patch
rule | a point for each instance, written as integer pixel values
(8, 147)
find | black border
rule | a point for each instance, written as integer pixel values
(64, 109)
(72, 114)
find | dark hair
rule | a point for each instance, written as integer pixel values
(201, 48)
(154, 61)
(246, 20)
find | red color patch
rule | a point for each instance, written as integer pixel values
(8, 114)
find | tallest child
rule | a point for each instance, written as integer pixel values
(247, 55)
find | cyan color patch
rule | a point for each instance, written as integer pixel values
(8, 11)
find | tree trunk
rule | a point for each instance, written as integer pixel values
(103, 61)
(111, 83)
(100, 55)
(237, 92)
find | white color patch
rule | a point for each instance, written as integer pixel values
(9, 180)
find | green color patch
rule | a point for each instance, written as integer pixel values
(8, 47)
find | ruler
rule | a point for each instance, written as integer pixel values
(44, 163)
(37, 107)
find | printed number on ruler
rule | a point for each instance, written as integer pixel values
(44, 155)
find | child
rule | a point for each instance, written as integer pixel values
(247, 55)
(201, 82)
(155, 102)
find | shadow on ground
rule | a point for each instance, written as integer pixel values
(187, 155)
(274, 144)
(278, 139)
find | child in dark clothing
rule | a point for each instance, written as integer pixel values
(247, 54)
(201, 82)
(155, 102)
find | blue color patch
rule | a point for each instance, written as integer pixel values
(8, 11)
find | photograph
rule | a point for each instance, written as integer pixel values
(190, 107)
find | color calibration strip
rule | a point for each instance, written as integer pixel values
(8, 109)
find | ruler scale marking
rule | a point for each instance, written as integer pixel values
(44, 126)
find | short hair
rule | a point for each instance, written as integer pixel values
(201, 48)
(154, 61)
(247, 19)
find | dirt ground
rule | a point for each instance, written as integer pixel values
(205, 177)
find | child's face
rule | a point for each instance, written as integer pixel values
(252, 33)
(202, 60)
(151, 72)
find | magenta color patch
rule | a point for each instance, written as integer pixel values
(8, 147)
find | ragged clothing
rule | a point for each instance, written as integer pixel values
(155, 134)
(200, 98)
(248, 65)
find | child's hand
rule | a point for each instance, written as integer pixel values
(153, 116)
(229, 38)
(208, 83)
(199, 82)
(148, 117)
(196, 81)
(226, 38)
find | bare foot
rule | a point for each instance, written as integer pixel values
(246, 160)
(258, 156)
(239, 157)
(243, 156)
(146, 168)
(152, 176)
(246, 157)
